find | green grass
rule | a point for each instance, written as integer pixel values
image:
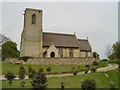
(116, 61)
(73, 81)
(6, 66)
(102, 64)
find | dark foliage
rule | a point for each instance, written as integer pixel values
(88, 84)
(75, 72)
(96, 55)
(86, 70)
(93, 69)
(104, 59)
(21, 72)
(9, 50)
(10, 77)
(87, 65)
(95, 63)
(62, 85)
(31, 73)
(40, 70)
(49, 69)
(39, 81)
(116, 51)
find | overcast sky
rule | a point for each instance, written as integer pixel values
(96, 20)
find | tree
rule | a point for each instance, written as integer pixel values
(49, 69)
(108, 50)
(62, 85)
(10, 77)
(88, 84)
(9, 50)
(95, 55)
(31, 73)
(116, 49)
(115, 52)
(22, 75)
(39, 81)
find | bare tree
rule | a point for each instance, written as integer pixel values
(108, 50)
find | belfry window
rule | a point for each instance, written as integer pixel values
(33, 19)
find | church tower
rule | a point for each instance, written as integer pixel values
(32, 35)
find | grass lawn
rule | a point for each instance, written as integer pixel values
(102, 64)
(6, 66)
(73, 81)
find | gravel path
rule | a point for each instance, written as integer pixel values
(103, 69)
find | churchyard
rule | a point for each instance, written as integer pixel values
(72, 81)
(103, 79)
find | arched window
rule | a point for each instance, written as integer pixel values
(61, 52)
(71, 52)
(33, 19)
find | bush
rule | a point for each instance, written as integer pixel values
(31, 73)
(87, 65)
(78, 67)
(75, 72)
(62, 85)
(86, 71)
(40, 70)
(104, 60)
(88, 84)
(93, 69)
(73, 68)
(21, 72)
(49, 69)
(95, 63)
(10, 77)
(39, 81)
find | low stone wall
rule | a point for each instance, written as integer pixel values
(60, 61)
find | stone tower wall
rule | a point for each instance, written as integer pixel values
(32, 35)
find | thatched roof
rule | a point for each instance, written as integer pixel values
(65, 40)
(84, 45)
(60, 40)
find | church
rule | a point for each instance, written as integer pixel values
(36, 43)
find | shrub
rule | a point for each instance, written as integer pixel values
(95, 63)
(88, 84)
(49, 69)
(40, 70)
(62, 85)
(21, 72)
(86, 71)
(93, 69)
(39, 81)
(104, 59)
(87, 65)
(73, 68)
(31, 73)
(22, 75)
(10, 77)
(75, 72)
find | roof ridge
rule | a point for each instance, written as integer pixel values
(83, 39)
(59, 33)
(30, 8)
